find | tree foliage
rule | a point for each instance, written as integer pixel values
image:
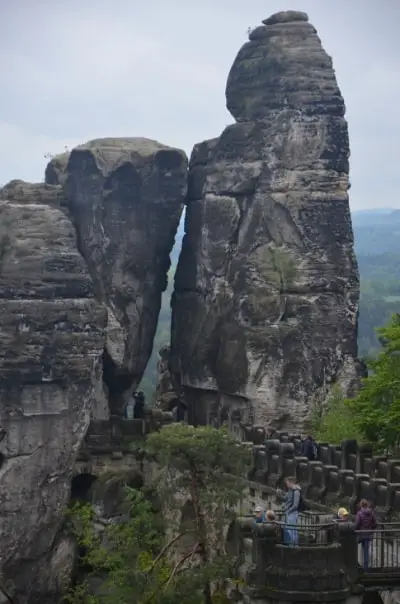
(121, 562)
(376, 408)
(145, 557)
(206, 468)
(333, 422)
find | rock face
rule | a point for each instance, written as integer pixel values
(166, 394)
(266, 292)
(125, 197)
(52, 338)
(78, 308)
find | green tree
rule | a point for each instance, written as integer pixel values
(376, 408)
(124, 562)
(138, 562)
(205, 468)
(334, 422)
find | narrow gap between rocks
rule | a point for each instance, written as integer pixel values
(163, 333)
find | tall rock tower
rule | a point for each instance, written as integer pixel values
(266, 292)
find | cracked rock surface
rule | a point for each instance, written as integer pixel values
(52, 338)
(125, 197)
(266, 292)
(83, 263)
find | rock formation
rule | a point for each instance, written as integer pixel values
(166, 393)
(52, 338)
(266, 292)
(79, 308)
(125, 197)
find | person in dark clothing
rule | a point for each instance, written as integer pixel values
(138, 411)
(365, 523)
(181, 409)
(310, 449)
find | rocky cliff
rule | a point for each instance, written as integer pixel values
(83, 263)
(51, 344)
(266, 292)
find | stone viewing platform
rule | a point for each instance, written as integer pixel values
(323, 568)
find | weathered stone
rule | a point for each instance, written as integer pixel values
(55, 173)
(266, 292)
(52, 338)
(166, 393)
(126, 197)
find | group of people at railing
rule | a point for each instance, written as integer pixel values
(364, 524)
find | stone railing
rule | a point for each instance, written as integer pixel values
(343, 475)
(105, 437)
(323, 569)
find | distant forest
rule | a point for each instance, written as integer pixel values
(377, 245)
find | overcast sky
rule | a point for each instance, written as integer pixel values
(79, 69)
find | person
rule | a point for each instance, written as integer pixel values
(365, 523)
(310, 449)
(292, 506)
(138, 411)
(270, 516)
(259, 515)
(181, 409)
(342, 515)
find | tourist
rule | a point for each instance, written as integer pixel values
(181, 409)
(259, 515)
(365, 523)
(291, 504)
(310, 449)
(342, 515)
(140, 401)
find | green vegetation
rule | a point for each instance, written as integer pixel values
(199, 482)
(334, 423)
(377, 244)
(278, 268)
(374, 414)
(376, 408)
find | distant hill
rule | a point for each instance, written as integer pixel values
(375, 232)
(377, 246)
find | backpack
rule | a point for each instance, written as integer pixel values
(302, 504)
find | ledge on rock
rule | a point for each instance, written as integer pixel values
(287, 16)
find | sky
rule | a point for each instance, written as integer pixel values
(82, 69)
